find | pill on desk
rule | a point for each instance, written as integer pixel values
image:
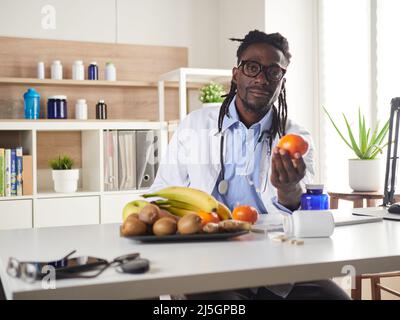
(280, 238)
(297, 242)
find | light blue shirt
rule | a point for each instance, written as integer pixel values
(245, 151)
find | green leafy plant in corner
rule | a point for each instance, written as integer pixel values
(212, 92)
(369, 145)
(62, 163)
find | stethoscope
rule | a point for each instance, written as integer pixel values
(223, 185)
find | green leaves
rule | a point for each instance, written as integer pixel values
(369, 146)
(64, 163)
(212, 92)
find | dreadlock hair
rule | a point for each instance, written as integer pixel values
(279, 115)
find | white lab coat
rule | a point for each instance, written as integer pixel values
(192, 157)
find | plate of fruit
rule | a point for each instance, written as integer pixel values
(183, 214)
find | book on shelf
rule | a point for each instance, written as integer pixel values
(7, 174)
(18, 163)
(2, 172)
(13, 173)
(27, 176)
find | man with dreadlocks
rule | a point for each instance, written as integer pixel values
(231, 153)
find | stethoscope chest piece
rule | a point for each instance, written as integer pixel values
(223, 187)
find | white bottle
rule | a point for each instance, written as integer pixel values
(40, 70)
(110, 72)
(81, 109)
(78, 71)
(56, 70)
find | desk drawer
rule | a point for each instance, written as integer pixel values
(67, 211)
(15, 214)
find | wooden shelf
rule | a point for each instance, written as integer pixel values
(68, 125)
(90, 83)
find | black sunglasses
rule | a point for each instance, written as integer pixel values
(252, 69)
(80, 267)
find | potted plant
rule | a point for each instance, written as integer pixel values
(364, 171)
(65, 178)
(211, 95)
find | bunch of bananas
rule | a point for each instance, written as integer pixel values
(181, 201)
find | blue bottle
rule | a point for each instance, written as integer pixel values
(31, 104)
(314, 198)
(93, 71)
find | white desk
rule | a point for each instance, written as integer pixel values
(251, 260)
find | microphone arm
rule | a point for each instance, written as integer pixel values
(391, 159)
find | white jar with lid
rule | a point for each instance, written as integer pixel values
(110, 72)
(78, 71)
(81, 109)
(56, 70)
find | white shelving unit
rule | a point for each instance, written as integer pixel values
(185, 78)
(90, 204)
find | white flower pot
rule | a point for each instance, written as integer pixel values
(212, 104)
(365, 175)
(65, 180)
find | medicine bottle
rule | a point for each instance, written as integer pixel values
(314, 198)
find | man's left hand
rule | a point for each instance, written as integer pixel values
(285, 176)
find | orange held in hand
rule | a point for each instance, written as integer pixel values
(293, 143)
(245, 213)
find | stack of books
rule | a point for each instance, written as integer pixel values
(15, 172)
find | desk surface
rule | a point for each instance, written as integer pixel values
(249, 261)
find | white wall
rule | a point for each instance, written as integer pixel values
(187, 23)
(297, 21)
(237, 18)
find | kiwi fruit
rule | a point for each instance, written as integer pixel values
(132, 226)
(149, 214)
(189, 224)
(164, 227)
(166, 214)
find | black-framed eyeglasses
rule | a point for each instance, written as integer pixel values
(252, 69)
(79, 267)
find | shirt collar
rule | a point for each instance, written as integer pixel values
(233, 118)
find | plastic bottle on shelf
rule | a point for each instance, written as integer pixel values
(110, 72)
(57, 107)
(101, 110)
(78, 70)
(40, 70)
(81, 110)
(56, 70)
(31, 104)
(93, 71)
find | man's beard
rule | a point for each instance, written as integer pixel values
(258, 109)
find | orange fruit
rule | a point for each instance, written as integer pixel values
(245, 213)
(293, 143)
(207, 217)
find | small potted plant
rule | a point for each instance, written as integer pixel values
(65, 178)
(211, 95)
(364, 170)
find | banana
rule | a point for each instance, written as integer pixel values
(197, 198)
(178, 211)
(133, 207)
(177, 204)
(223, 211)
